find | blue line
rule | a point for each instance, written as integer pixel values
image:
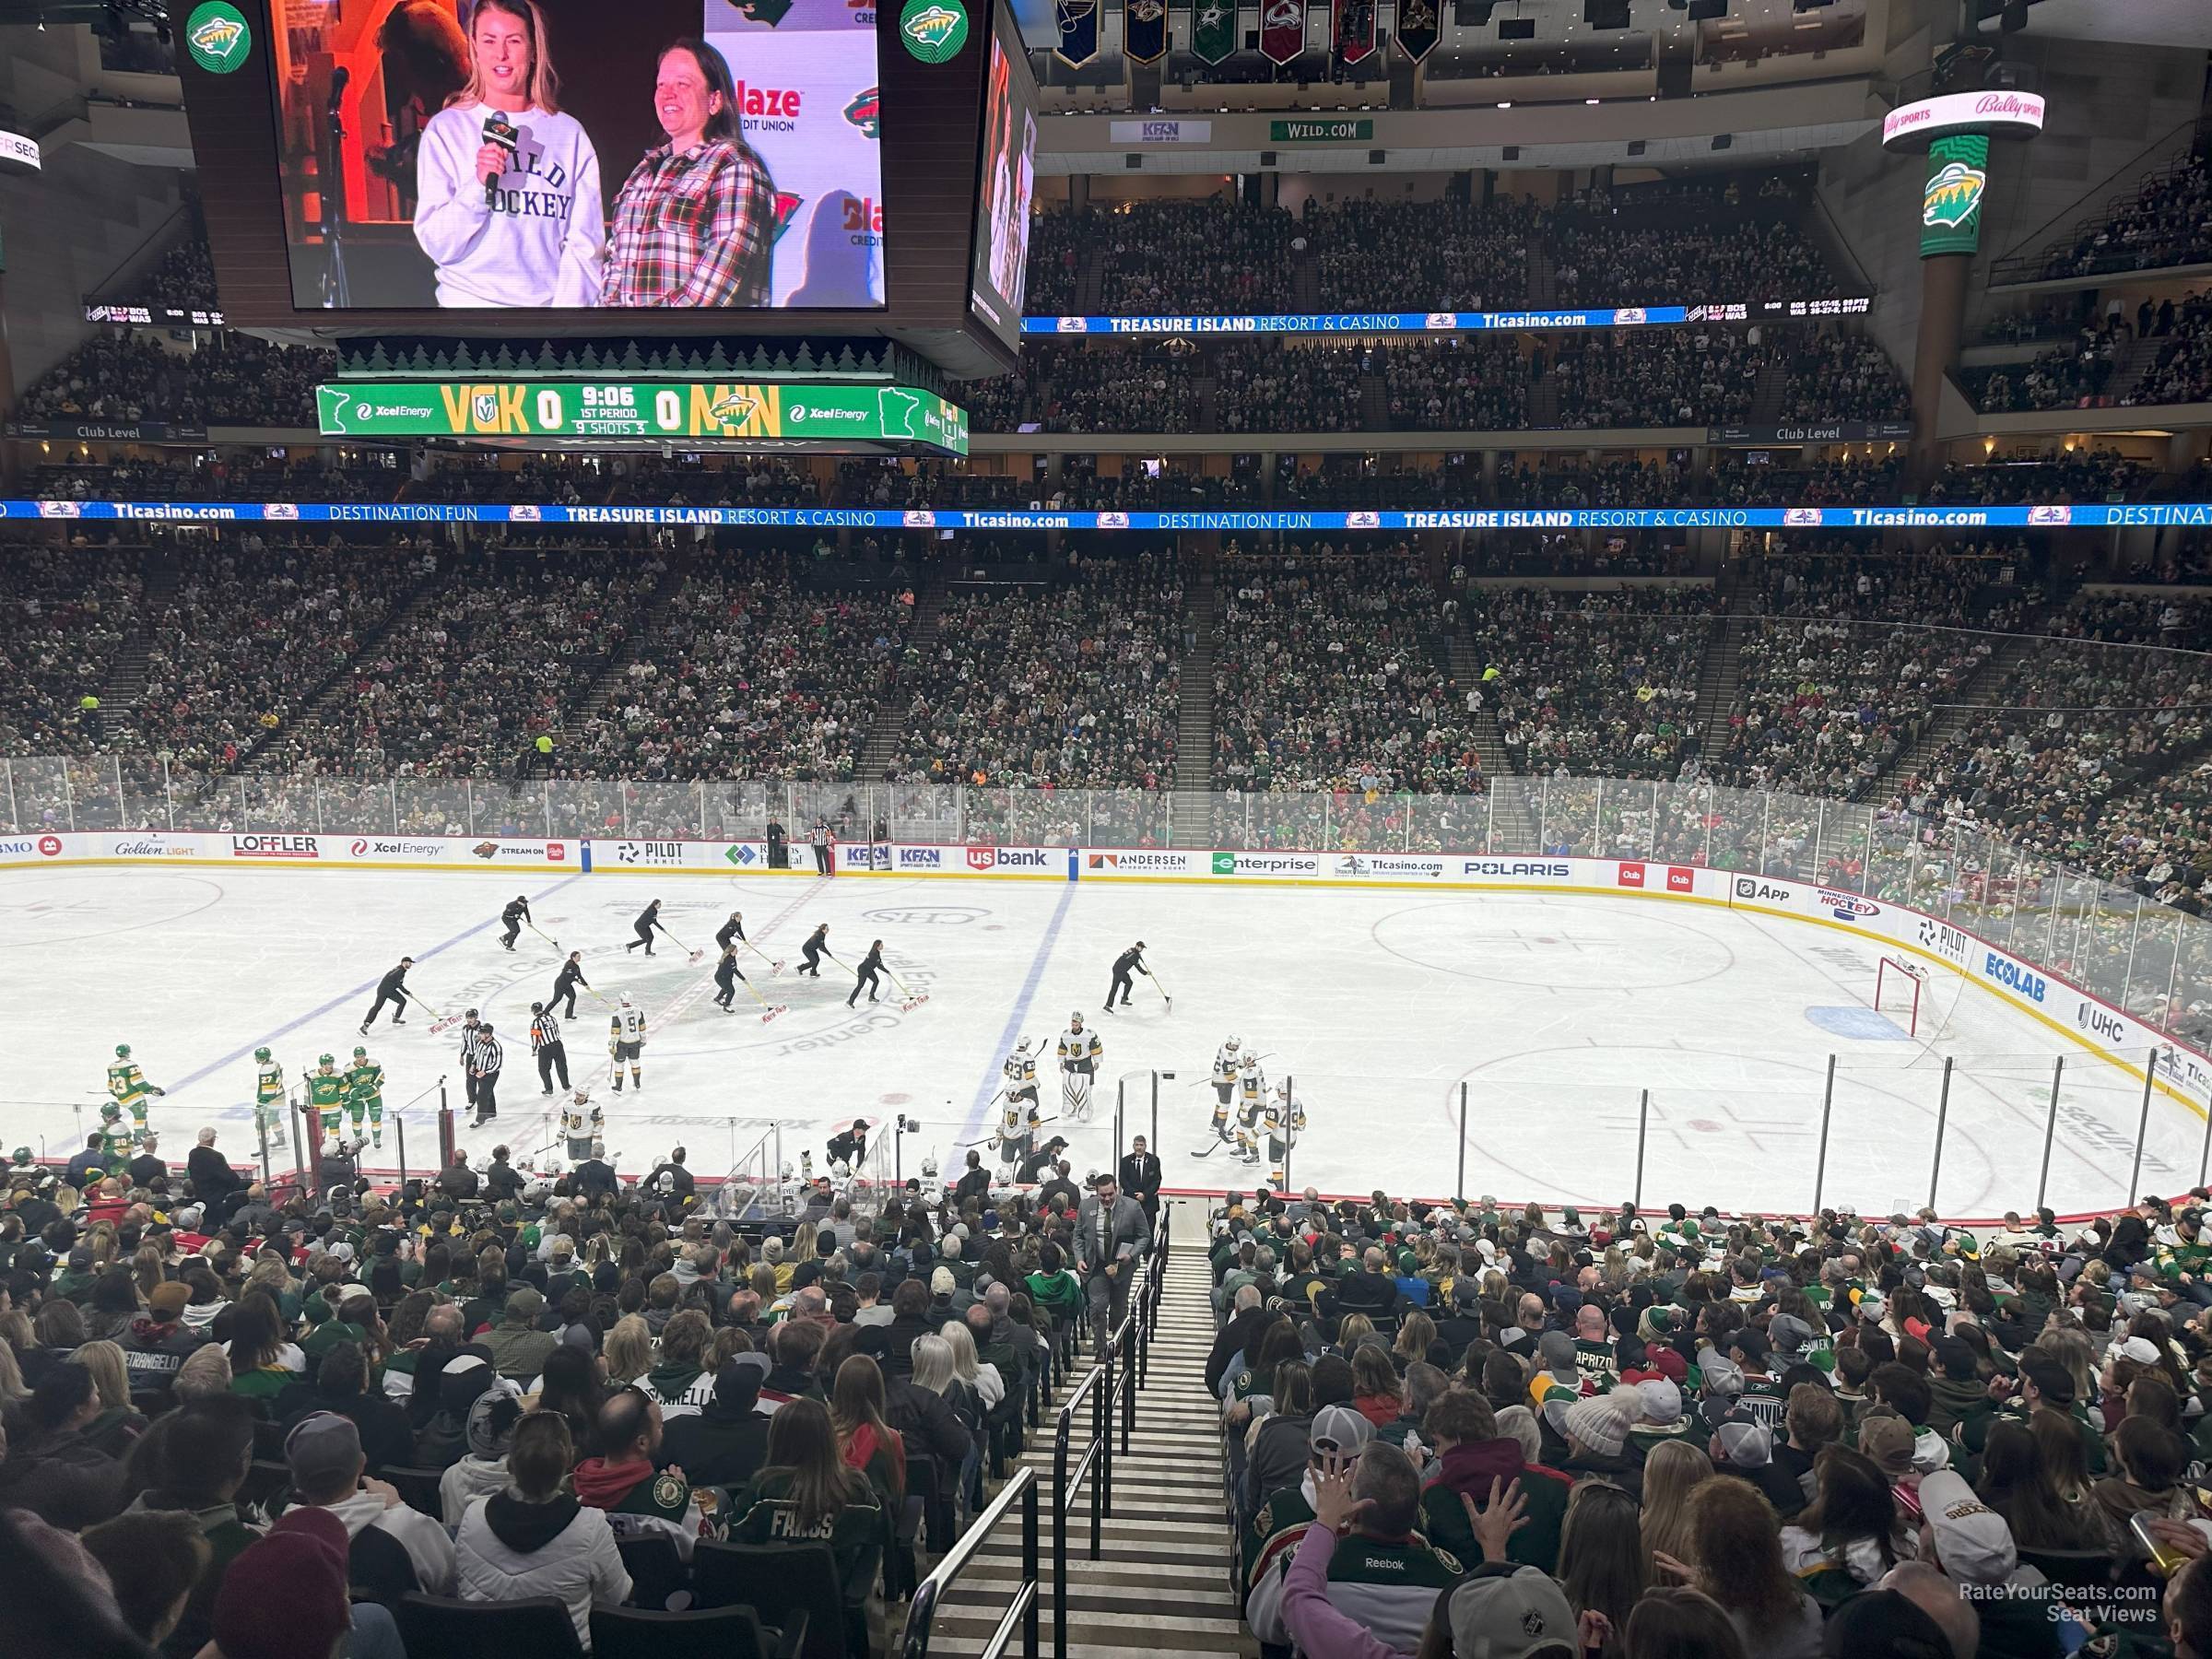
(993, 1077)
(339, 1001)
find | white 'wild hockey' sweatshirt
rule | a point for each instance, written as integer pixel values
(543, 243)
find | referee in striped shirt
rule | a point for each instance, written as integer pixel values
(485, 1069)
(547, 1045)
(469, 1028)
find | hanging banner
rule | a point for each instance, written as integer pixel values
(1282, 29)
(1213, 31)
(1416, 28)
(1144, 30)
(1352, 28)
(1079, 32)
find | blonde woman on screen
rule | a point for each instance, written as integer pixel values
(507, 187)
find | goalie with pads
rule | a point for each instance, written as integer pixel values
(1080, 1051)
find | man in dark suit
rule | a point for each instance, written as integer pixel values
(1112, 1237)
(1140, 1178)
(214, 1182)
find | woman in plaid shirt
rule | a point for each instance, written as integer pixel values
(696, 220)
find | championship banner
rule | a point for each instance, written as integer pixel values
(1079, 32)
(1352, 28)
(1950, 202)
(1213, 31)
(1282, 29)
(1416, 28)
(640, 409)
(1144, 30)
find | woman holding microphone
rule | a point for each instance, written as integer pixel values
(507, 187)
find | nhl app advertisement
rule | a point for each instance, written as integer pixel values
(577, 155)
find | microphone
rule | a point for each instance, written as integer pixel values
(497, 130)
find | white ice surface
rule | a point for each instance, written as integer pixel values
(1556, 1011)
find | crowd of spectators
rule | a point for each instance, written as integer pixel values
(1420, 256)
(1330, 673)
(2081, 721)
(228, 1411)
(250, 634)
(752, 671)
(1070, 681)
(1211, 255)
(1848, 657)
(1471, 384)
(2182, 370)
(2168, 222)
(1283, 386)
(2066, 377)
(1626, 483)
(1457, 1430)
(1107, 388)
(117, 376)
(2059, 477)
(62, 615)
(477, 669)
(184, 275)
(1601, 259)
(1603, 683)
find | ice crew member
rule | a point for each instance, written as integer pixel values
(817, 943)
(513, 916)
(850, 1146)
(647, 921)
(732, 929)
(870, 975)
(391, 988)
(547, 1045)
(726, 976)
(1130, 961)
(565, 983)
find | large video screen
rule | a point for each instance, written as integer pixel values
(528, 155)
(1008, 183)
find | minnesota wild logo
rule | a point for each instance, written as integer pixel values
(866, 111)
(935, 31)
(216, 36)
(787, 205)
(733, 406)
(771, 12)
(1953, 194)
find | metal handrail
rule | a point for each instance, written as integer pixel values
(1064, 1485)
(923, 1611)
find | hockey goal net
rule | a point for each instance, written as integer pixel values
(1898, 988)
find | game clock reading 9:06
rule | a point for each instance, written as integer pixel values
(571, 155)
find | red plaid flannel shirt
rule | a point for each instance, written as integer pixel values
(694, 229)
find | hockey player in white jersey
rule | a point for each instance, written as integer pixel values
(1226, 1061)
(626, 1043)
(582, 1123)
(1080, 1051)
(1252, 1103)
(1284, 1120)
(1018, 1126)
(1020, 1070)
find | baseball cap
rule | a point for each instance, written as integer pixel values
(1662, 1400)
(1341, 1427)
(1519, 1614)
(1885, 1622)
(1750, 1343)
(1955, 1357)
(490, 1436)
(169, 1300)
(321, 1447)
(1889, 1441)
(1746, 1441)
(2051, 1377)
(1722, 1375)
(1974, 1542)
(1788, 1333)
(1556, 1348)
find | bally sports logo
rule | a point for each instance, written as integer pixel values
(275, 846)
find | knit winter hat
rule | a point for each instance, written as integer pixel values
(1599, 1423)
(284, 1596)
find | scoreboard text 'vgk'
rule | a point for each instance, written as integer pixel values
(494, 410)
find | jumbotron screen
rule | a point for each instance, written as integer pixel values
(1008, 186)
(531, 155)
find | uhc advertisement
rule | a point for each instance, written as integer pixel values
(571, 154)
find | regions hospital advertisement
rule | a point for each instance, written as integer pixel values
(577, 155)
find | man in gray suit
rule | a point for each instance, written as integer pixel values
(1112, 1237)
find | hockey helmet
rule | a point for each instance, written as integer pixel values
(929, 1169)
(1022, 1047)
(1233, 1044)
(122, 1050)
(839, 1168)
(1076, 1018)
(1252, 1063)
(327, 1060)
(110, 1113)
(22, 1154)
(261, 1053)
(626, 1000)
(359, 1053)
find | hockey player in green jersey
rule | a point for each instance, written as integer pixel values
(268, 1098)
(114, 1139)
(326, 1095)
(129, 1088)
(365, 1093)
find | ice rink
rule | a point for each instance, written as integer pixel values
(1557, 1012)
